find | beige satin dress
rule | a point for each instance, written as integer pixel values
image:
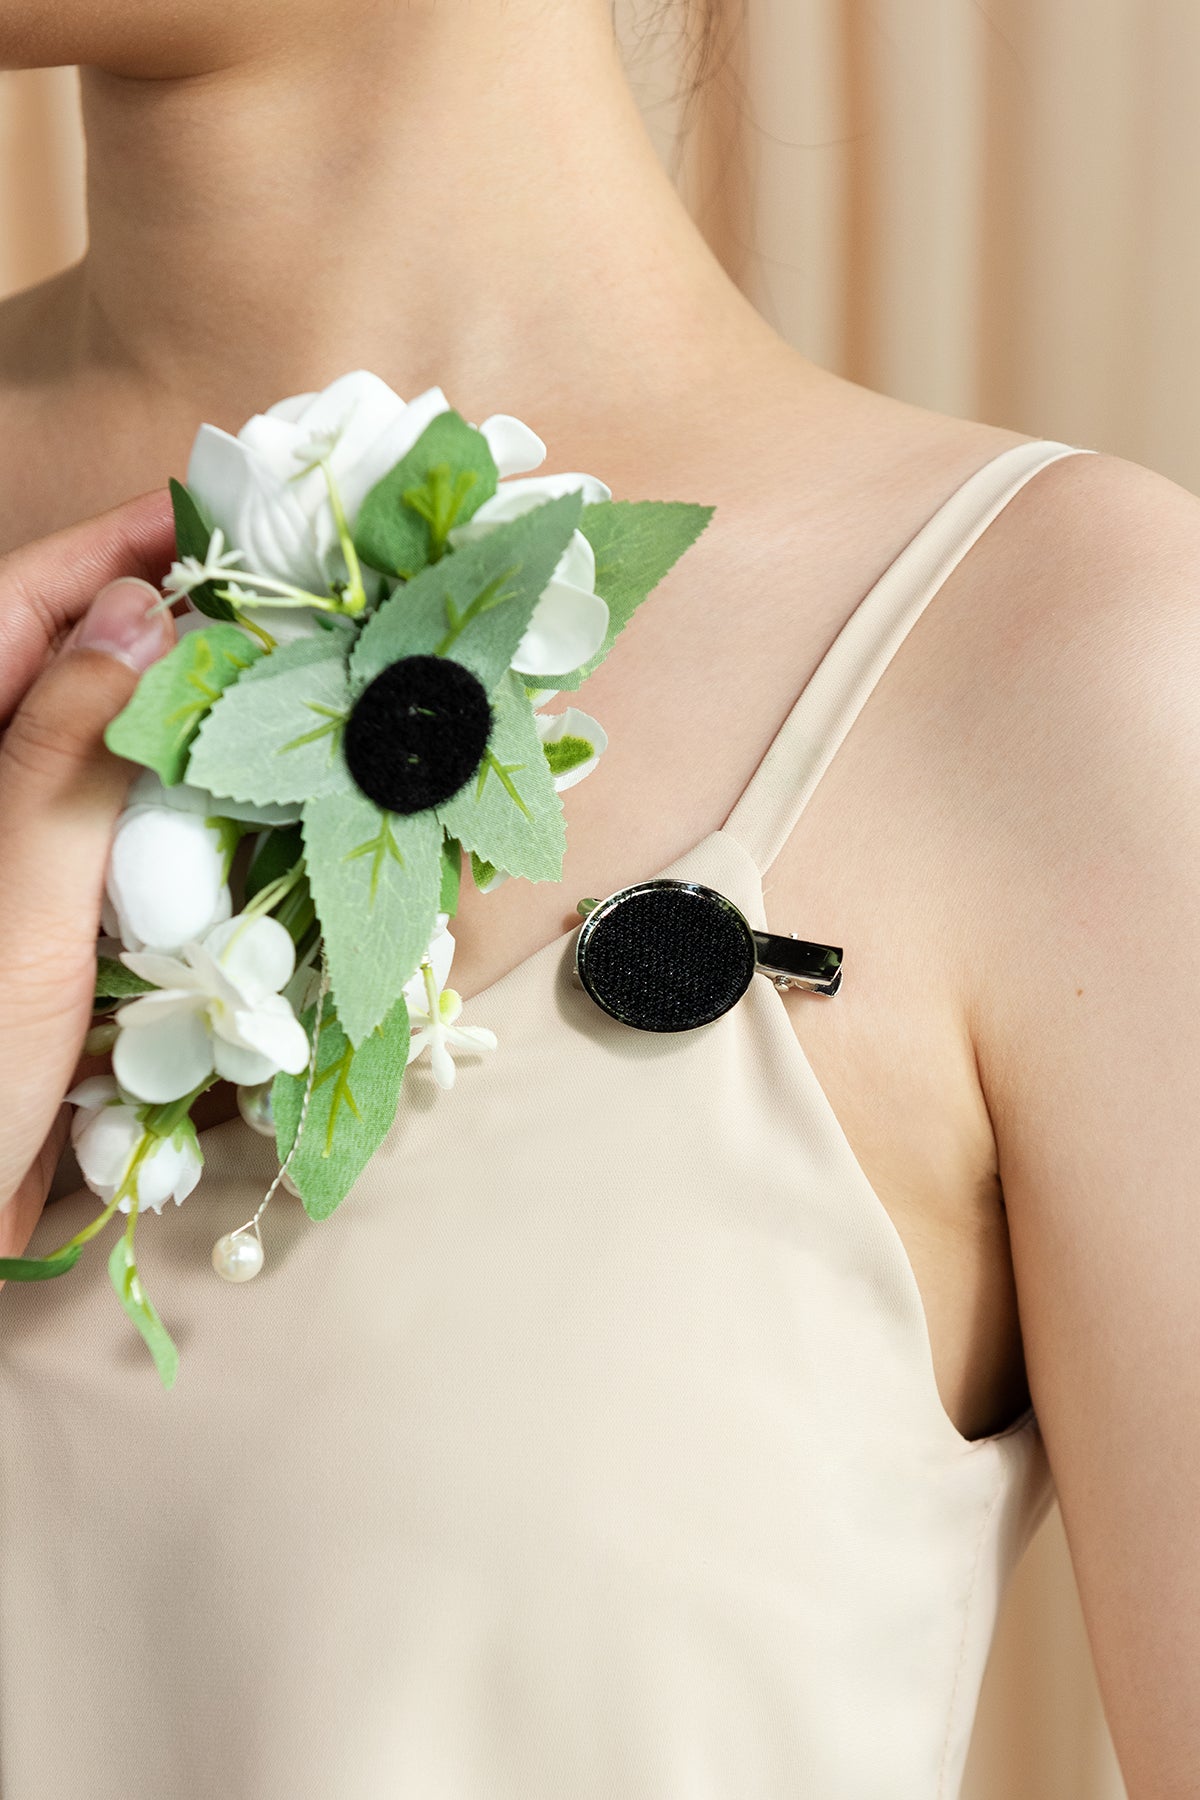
(592, 1451)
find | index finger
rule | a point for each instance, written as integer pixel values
(46, 586)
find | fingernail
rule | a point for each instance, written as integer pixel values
(120, 622)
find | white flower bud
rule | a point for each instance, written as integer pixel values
(105, 1133)
(166, 878)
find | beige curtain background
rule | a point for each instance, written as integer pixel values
(982, 206)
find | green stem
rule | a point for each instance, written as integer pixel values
(269, 897)
(163, 1120)
(264, 637)
(124, 1191)
(355, 599)
(278, 593)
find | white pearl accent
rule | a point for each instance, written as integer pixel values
(237, 1256)
(286, 1181)
(254, 1104)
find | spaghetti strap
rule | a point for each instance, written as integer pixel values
(813, 732)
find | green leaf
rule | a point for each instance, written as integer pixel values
(277, 853)
(636, 543)
(39, 1268)
(276, 736)
(376, 881)
(451, 875)
(115, 982)
(481, 870)
(509, 812)
(123, 1273)
(353, 1103)
(406, 518)
(476, 603)
(192, 535)
(173, 696)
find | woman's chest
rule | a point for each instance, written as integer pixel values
(877, 864)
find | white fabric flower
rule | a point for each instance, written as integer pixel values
(440, 951)
(218, 1008)
(166, 879)
(570, 620)
(262, 493)
(189, 573)
(553, 727)
(265, 491)
(166, 882)
(105, 1133)
(433, 1009)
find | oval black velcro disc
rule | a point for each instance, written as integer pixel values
(665, 955)
(417, 733)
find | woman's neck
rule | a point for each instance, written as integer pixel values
(462, 194)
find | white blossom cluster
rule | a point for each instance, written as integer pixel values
(224, 989)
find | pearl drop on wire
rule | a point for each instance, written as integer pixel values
(237, 1256)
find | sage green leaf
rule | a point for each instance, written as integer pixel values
(173, 696)
(451, 876)
(115, 982)
(192, 536)
(354, 1098)
(39, 1268)
(123, 1273)
(406, 518)
(376, 881)
(474, 605)
(509, 812)
(636, 543)
(276, 736)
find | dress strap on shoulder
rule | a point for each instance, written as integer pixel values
(814, 730)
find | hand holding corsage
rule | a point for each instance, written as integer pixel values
(382, 598)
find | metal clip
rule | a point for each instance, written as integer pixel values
(667, 955)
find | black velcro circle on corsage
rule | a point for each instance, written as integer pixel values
(666, 955)
(417, 733)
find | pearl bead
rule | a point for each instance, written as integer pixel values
(254, 1104)
(237, 1256)
(287, 1182)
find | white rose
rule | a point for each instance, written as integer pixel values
(105, 1132)
(252, 486)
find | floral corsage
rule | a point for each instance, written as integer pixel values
(380, 601)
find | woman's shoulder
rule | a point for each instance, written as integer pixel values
(1065, 647)
(1089, 575)
(1080, 787)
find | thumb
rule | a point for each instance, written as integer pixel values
(60, 793)
(60, 788)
